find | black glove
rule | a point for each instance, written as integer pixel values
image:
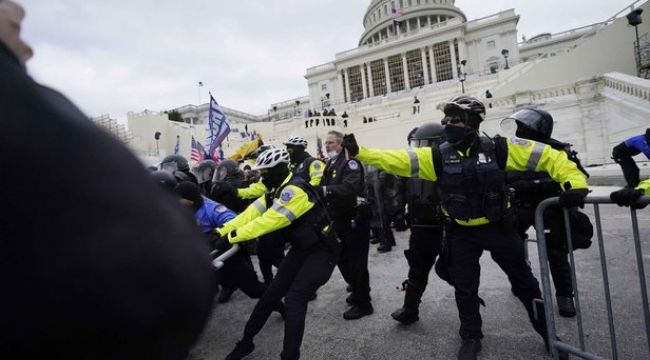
(221, 243)
(350, 144)
(573, 198)
(627, 197)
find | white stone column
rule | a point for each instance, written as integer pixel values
(419, 25)
(347, 84)
(408, 26)
(363, 80)
(387, 74)
(454, 68)
(371, 89)
(434, 77)
(423, 53)
(342, 86)
(407, 83)
(462, 49)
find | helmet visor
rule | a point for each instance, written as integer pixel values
(509, 127)
(170, 167)
(220, 174)
(204, 175)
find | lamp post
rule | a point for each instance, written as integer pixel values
(505, 54)
(462, 76)
(634, 19)
(156, 136)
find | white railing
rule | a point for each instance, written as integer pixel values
(630, 85)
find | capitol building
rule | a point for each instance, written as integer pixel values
(427, 51)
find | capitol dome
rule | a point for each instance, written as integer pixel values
(379, 24)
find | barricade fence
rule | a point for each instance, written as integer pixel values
(581, 350)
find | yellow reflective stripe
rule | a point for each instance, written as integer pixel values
(316, 174)
(284, 211)
(415, 164)
(535, 156)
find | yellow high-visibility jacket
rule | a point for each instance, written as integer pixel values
(522, 155)
(261, 218)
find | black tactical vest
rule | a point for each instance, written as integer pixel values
(305, 231)
(302, 170)
(423, 202)
(475, 186)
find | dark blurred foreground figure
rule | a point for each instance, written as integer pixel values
(114, 268)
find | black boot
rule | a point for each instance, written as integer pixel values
(409, 313)
(357, 312)
(469, 349)
(241, 350)
(350, 299)
(565, 306)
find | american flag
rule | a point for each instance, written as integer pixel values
(198, 152)
(219, 128)
(396, 12)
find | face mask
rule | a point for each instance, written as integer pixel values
(332, 154)
(454, 134)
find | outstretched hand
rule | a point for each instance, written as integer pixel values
(350, 144)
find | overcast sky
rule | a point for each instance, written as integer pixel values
(115, 56)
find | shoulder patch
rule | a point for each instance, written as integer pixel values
(353, 165)
(287, 195)
(220, 209)
(518, 141)
(317, 165)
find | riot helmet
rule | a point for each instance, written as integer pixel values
(534, 124)
(428, 135)
(205, 171)
(172, 163)
(225, 168)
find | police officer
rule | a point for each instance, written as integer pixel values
(295, 209)
(166, 180)
(426, 221)
(179, 167)
(211, 215)
(379, 220)
(531, 188)
(470, 171)
(303, 164)
(623, 153)
(342, 185)
(227, 178)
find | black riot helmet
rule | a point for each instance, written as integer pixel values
(534, 124)
(165, 179)
(428, 135)
(205, 170)
(471, 109)
(225, 168)
(173, 163)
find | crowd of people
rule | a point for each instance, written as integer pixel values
(105, 260)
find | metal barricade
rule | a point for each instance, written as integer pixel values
(581, 351)
(218, 261)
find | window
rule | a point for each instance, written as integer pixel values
(378, 77)
(323, 87)
(356, 87)
(491, 44)
(396, 73)
(414, 65)
(442, 59)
